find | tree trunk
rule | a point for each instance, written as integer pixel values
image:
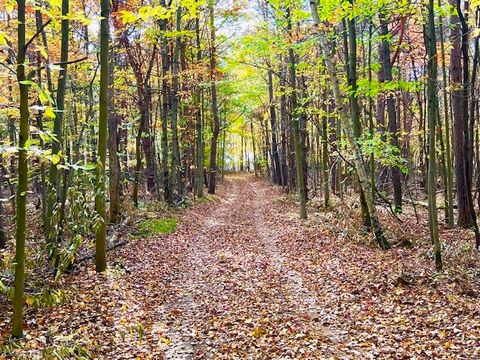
(113, 147)
(325, 158)
(283, 117)
(212, 184)
(22, 187)
(199, 163)
(448, 152)
(296, 117)
(55, 192)
(464, 216)
(386, 69)
(100, 203)
(253, 148)
(276, 176)
(176, 181)
(431, 47)
(167, 190)
(351, 56)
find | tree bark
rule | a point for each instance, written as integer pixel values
(296, 117)
(113, 147)
(276, 175)
(386, 69)
(212, 184)
(22, 187)
(176, 181)
(448, 151)
(432, 73)
(100, 197)
(55, 192)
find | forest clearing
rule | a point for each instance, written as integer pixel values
(239, 179)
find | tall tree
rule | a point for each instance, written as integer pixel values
(176, 182)
(350, 38)
(276, 169)
(114, 138)
(100, 207)
(432, 88)
(448, 151)
(301, 188)
(22, 187)
(386, 76)
(56, 195)
(464, 216)
(199, 161)
(212, 182)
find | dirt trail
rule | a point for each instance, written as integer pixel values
(238, 296)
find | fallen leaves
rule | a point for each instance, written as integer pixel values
(242, 277)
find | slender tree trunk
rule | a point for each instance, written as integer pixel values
(199, 163)
(283, 127)
(371, 125)
(325, 158)
(254, 148)
(55, 176)
(22, 187)
(43, 175)
(460, 127)
(100, 203)
(296, 125)
(176, 182)
(386, 68)
(351, 51)
(432, 118)
(113, 147)
(273, 123)
(448, 150)
(167, 190)
(212, 184)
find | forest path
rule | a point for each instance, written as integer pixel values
(238, 295)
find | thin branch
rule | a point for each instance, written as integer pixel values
(33, 72)
(39, 31)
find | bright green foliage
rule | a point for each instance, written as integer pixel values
(154, 227)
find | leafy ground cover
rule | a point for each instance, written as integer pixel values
(243, 277)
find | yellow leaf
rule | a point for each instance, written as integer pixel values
(128, 17)
(258, 331)
(165, 340)
(29, 301)
(49, 113)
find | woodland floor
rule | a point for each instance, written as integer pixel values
(244, 278)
